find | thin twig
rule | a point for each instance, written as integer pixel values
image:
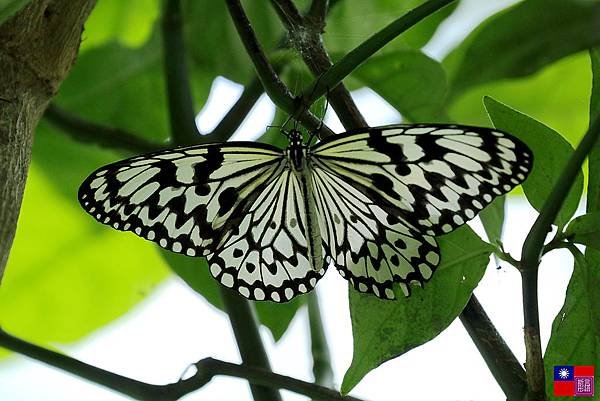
(288, 13)
(276, 89)
(183, 124)
(352, 60)
(206, 369)
(322, 371)
(503, 365)
(532, 251)
(245, 328)
(236, 115)
(89, 132)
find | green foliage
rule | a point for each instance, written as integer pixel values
(522, 40)
(551, 152)
(585, 230)
(383, 330)
(409, 80)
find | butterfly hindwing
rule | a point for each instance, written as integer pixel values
(436, 177)
(184, 199)
(370, 247)
(266, 256)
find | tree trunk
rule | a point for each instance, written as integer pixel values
(38, 46)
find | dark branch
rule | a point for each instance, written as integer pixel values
(317, 13)
(288, 13)
(109, 137)
(352, 60)
(503, 365)
(206, 370)
(245, 328)
(276, 89)
(183, 122)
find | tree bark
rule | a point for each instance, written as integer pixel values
(38, 46)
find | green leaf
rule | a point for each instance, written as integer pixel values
(523, 39)
(585, 230)
(194, 271)
(214, 44)
(575, 338)
(9, 7)
(350, 23)
(380, 328)
(550, 154)
(129, 23)
(68, 275)
(556, 95)
(492, 218)
(410, 81)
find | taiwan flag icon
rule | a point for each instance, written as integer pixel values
(574, 381)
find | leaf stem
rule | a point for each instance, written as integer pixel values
(322, 371)
(206, 369)
(352, 60)
(89, 132)
(183, 121)
(502, 363)
(532, 251)
(245, 328)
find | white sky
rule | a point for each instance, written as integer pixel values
(174, 327)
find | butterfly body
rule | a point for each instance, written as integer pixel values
(270, 221)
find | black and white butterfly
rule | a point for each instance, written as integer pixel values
(270, 221)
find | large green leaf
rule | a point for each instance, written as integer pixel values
(575, 337)
(410, 81)
(383, 330)
(550, 154)
(350, 23)
(557, 95)
(523, 39)
(68, 275)
(194, 271)
(9, 7)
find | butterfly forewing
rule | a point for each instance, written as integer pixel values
(183, 199)
(436, 177)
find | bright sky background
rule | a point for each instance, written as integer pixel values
(174, 327)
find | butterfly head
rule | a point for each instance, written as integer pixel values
(295, 138)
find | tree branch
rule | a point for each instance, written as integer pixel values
(89, 132)
(206, 369)
(503, 365)
(276, 89)
(305, 36)
(532, 250)
(352, 60)
(38, 46)
(317, 12)
(245, 328)
(183, 122)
